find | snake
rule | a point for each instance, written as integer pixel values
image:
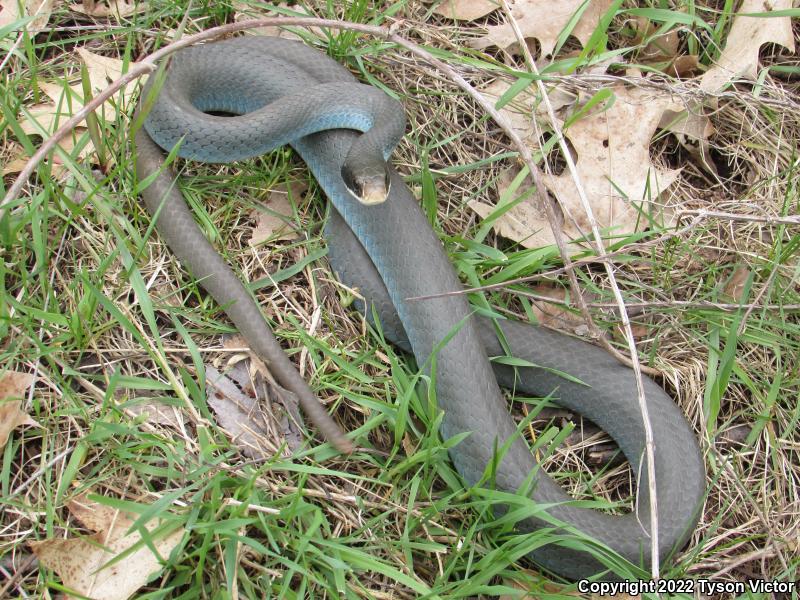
(238, 98)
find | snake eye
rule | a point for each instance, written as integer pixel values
(351, 182)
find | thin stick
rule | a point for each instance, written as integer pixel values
(726, 306)
(600, 249)
(713, 214)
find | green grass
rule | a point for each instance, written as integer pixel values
(94, 304)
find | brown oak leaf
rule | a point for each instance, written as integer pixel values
(545, 21)
(740, 55)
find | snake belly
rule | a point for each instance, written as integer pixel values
(391, 254)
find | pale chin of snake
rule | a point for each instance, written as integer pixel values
(372, 197)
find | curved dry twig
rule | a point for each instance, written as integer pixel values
(148, 64)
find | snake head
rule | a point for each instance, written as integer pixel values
(368, 186)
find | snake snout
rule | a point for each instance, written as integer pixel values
(369, 187)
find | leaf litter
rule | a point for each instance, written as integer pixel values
(249, 11)
(274, 217)
(545, 21)
(612, 160)
(82, 562)
(66, 99)
(739, 58)
(40, 10)
(613, 164)
(245, 401)
(110, 8)
(13, 386)
(157, 411)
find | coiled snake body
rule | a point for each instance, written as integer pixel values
(286, 92)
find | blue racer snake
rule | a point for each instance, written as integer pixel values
(285, 92)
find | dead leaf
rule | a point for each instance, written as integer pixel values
(639, 330)
(734, 288)
(519, 111)
(613, 166)
(13, 158)
(109, 8)
(693, 129)
(93, 515)
(747, 35)
(40, 10)
(524, 107)
(466, 10)
(554, 314)
(522, 223)
(13, 386)
(274, 219)
(260, 382)
(408, 445)
(241, 410)
(693, 124)
(542, 587)
(236, 342)
(545, 21)
(43, 119)
(238, 414)
(683, 67)
(14, 166)
(80, 561)
(657, 48)
(102, 70)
